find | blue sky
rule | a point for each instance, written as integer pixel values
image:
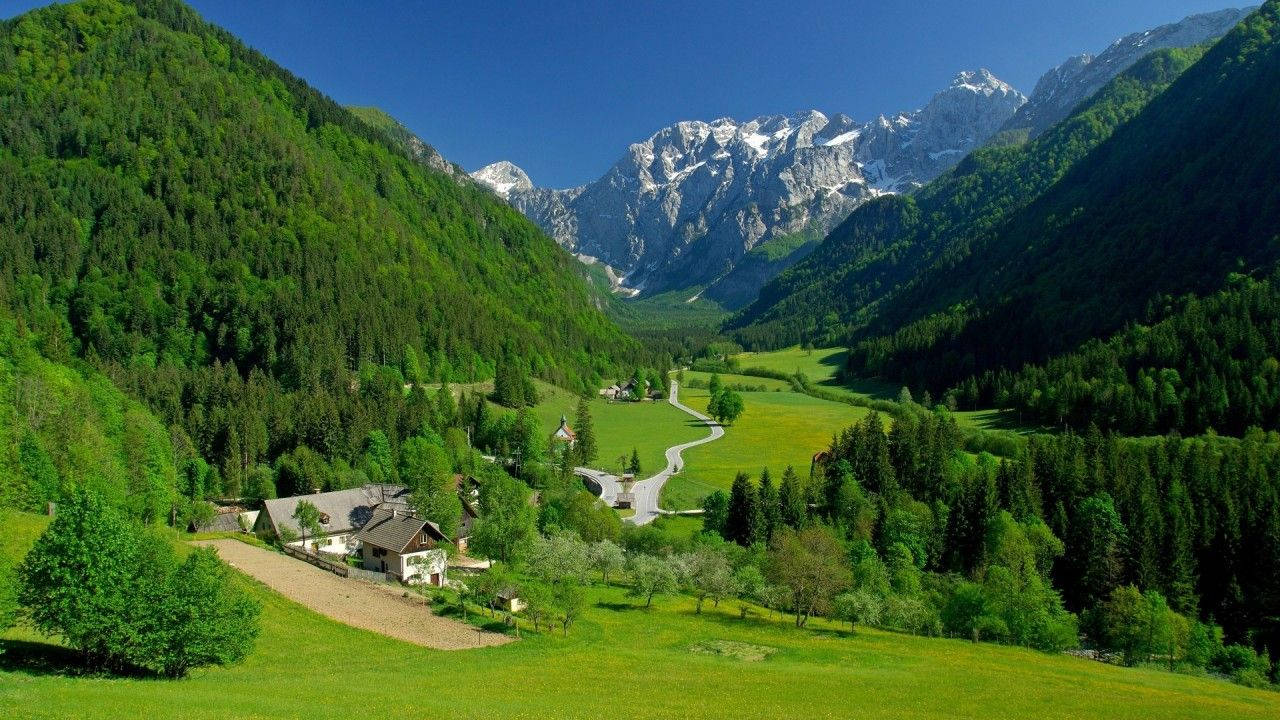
(562, 88)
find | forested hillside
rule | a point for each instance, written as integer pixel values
(886, 244)
(1162, 185)
(1173, 202)
(62, 427)
(1196, 365)
(261, 266)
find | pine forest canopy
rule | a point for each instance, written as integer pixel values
(238, 250)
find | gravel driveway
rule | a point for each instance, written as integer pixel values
(371, 606)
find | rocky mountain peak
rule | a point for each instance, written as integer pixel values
(504, 177)
(1077, 78)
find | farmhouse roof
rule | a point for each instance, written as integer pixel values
(394, 529)
(341, 511)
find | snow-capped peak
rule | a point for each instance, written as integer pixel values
(503, 177)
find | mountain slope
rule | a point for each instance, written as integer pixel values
(1076, 79)
(684, 206)
(852, 277)
(1174, 201)
(233, 246)
(64, 427)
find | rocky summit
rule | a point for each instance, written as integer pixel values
(684, 207)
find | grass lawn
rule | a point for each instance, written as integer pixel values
(698, 377)
(619, 661)
(649, 427)
(818, 364)
(777, 429)
(821, 366)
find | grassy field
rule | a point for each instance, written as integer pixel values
(619, 661)
(649, 427)
(777, 429)
(821, 366)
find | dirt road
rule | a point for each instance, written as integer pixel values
(380, 608)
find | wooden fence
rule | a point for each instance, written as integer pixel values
(336, 568)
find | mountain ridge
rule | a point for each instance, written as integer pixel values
(682, 207)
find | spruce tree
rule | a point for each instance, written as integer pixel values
(770, 506)
(634, 466)
(585, 446)
(791, 500)
(742, 522)
(446, 410)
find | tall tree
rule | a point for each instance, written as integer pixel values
(507, 522)
(791, 500)
(810, 565)
(308, 518)
(743, 518)
(585, 446)
(770, 506)
(76, 580)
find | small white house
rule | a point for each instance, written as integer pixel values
(398, 542)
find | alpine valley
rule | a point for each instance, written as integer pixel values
(968, 411)
(719, 208)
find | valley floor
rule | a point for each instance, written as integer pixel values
(622, 661)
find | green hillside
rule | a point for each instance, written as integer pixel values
(233, 247)
(1176, 200)
(61, 426)
(884, 245)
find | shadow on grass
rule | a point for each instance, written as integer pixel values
(619, 606)
(756, 620)
(37, 658)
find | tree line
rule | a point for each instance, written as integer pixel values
(1053, 533)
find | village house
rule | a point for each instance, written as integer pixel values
(626, 499)
(400, 543)
(342, 514)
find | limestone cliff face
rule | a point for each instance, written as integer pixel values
(683, 207)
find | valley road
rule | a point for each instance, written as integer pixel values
(648, 491)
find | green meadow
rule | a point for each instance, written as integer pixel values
(821, 365)
(649, 427)
(619, 660)
(777, 429)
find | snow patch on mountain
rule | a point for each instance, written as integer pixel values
(683, 206)
(503, 177)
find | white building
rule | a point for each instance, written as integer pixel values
(398, 542)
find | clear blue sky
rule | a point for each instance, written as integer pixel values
(562, 88)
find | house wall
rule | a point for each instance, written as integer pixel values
(403, 566)
(340, 544)
(432, 562)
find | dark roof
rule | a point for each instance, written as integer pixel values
(346, 510)
(394, 529)
(226, 520)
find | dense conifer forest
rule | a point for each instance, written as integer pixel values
(261, 266)
(1158, 187)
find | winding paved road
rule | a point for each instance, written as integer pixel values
(648, 490)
